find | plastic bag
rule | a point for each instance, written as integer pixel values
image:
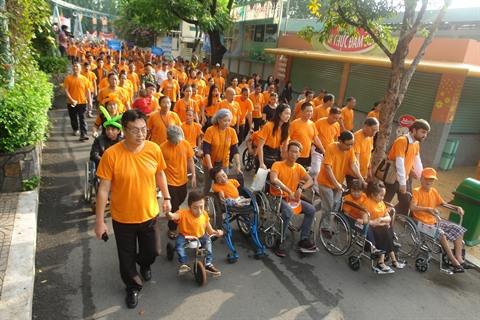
(259, 180)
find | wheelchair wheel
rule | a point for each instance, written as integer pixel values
(215, 215)
(335, 234)
(170, 251)
(354, 263)
(421, 264)
(243, 224)
(247, 160)
(86, 187)
(200, 273)
(407, 236)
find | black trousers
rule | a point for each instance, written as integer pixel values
(257, 122)
(403, 205)
(383, 238)
(177, 195)
(77, 117)
(127, 236)
(305, 162)
(243, 132)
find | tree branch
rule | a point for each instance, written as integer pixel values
(188, 20)
(213, 8)
(230, 5)
(408, 35)
(421, 52)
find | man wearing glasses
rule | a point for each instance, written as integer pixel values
(130, 171)
(339, 158)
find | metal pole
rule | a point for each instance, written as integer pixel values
(286, 18)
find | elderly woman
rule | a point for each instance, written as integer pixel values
(220, 144)
(178, 155)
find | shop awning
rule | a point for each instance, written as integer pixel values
(424, 66)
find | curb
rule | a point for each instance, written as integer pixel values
(473, 260)
(17, 292)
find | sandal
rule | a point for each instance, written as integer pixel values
(382, 266)
(398, 265)
(457, 269)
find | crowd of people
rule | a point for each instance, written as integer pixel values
(169, 112)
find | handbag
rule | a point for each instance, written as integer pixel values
(387, 171)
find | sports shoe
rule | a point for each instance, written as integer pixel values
(210, 268)
(398, 265)
(75, 133)
(279, 250)
(457, 269)
(307, 245)
(183, 269)
(383, 269)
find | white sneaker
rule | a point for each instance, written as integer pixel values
(398, 265)
(386, 270)
(183, 269)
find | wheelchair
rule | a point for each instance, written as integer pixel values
(248, 160)
(420, 245)
(223, 213)
(271, 224)
(198, 265)
(340, 234)
(90, 184)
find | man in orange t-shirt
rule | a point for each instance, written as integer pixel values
(339, 158)
(245, 114)
(298, 105)
(78, 92)
(129, 172)
(322, 110)
(405, 152)
(258, 104)
(178, 155)
(230, 104)
(348, 114)
(160, 120)
(192, 130)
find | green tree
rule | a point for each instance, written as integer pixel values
(211, 16)
(6, 59)
(370, 15)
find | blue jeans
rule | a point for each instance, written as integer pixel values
(308, 214)
(182, 255)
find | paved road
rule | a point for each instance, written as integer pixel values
(77, 276)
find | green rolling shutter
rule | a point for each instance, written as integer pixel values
(467, 117)
(420, 97)
(316, 75)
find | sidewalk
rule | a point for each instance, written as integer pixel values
(18, 233)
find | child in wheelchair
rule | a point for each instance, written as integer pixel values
(227, 189)
(194, 222)
(380, 224)
(424, 204)
(110, 136)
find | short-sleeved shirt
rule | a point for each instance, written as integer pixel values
(77, 87)
(170, 89)
(220, 142)
(229, 189)
(347, 116)
(353, 212)
(339, 161)
(119, 92)
(362, 146)
(176, 157)
(210, 110)
(272, 139)
(234, 108)
(428, 199)
(269, 112)
(398, 150)
(327, 132)
(192, 132)
(303, 132)
(376, 209)
(289, 175)
(374, 114)
(181, 107)
(245, 106)
(189, 225)
(258, 103)
(158, 124)
(133, 197)
(320, 112)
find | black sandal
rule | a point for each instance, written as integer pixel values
(458, 269)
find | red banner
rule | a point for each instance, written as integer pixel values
(339, 41)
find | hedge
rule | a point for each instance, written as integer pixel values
(24, 111)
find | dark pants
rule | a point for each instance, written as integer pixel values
(257, 122)
(243, 132)
(178, 195)
(127, 236)
(304, 162)
(383, 238)
(403, 205)
(77, 116)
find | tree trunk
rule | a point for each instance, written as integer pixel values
(6, 61)
(217, 49)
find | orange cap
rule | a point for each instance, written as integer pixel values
(429, 173)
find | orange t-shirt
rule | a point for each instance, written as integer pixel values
(298, 108)
(272, 139)
(327, 133)
(266, 97)
(158, 124)
(119, 92)
(133, 196)
(398, 150)
(347, 116)
(189, 225)
(182, 77)
(210, 110)
(192, 132)
(181, 107)
(317, 101)
(245, 106)
(220, 83)
(320, 112)
(374, 114)
(77, 87)
(339, 161)
(170, 89)
(229, 189)
(362, 146)
(258, 103)
(376, 209)
(303, 132)
(429, 199)
(93, 79)
(353, 212)
(176, 155)
(220, 141)
(289, 175)
(233, 107)
(135, 80)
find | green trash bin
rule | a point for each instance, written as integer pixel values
(467, 196)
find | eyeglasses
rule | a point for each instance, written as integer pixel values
(137, 131)
(348, 144)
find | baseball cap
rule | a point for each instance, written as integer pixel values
(429, 173)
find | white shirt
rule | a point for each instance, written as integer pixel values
(400, 165)
(160, 76)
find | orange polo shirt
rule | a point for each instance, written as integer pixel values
(176, 155)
